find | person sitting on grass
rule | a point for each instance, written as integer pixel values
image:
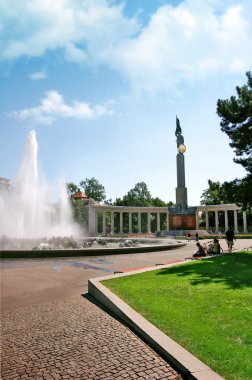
(216, 246)
(200, 251)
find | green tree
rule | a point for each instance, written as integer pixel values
(80, 211)
(213, 195)
(138, 196)
(93, 189)
(236, 122)
(72, 188)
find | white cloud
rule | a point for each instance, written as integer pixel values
(38, 75)
(186, 43)
(31, 28)
(192, 41)
(53, 107)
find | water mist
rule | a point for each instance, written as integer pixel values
(25, 210)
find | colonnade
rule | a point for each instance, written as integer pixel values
(225, 208)
(95, 210)
(108, 213)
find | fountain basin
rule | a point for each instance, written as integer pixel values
(140, 245)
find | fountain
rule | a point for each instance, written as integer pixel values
(32, 224)
(26, 212)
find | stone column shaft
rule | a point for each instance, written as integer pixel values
(148, 222)
(158, 221)
(226, 220)
(216, 222)
(139, 223)
(235, 222)
(197, 220)
(130, 223)
(207, 220)
(112, 216)
(104, 223)
(167, 221)
(245, 228)
(121, 222)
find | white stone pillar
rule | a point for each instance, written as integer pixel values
(92, 225)
(197, 220)
(148, 222)
(167, 221)
(207, 220)
(235, 222)
(96, 222)
(112, 216)
(121, 222)
(245, 228)
(130, 222)
(158, 221)
(104, 222)
(226, 220)
(216, 222)
(139, 223)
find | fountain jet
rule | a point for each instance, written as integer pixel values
(26, 212)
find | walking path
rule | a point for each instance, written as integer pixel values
(74, 339)
(51, 332)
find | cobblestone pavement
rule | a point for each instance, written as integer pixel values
(72, 338)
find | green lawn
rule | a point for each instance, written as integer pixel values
(204, 305)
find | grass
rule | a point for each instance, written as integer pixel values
(204, 305)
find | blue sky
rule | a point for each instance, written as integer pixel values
(101, 82)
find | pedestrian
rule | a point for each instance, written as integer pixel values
(189, 237)
(200, 250)
(197, 236)
(230, 237)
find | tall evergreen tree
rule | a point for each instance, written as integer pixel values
(236, 122)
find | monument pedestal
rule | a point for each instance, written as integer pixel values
(182, 219)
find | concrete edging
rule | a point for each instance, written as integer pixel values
(186, 363)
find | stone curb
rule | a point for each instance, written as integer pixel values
(182, 360)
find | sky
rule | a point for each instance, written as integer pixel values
(101, 83)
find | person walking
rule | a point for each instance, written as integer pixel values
(230, 237)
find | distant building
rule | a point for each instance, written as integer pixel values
(80, 195)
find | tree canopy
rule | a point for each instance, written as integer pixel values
(236, 122)
(93, 189)
(72, 188)
(140, 196)
(217, 193)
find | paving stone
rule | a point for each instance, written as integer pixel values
(73, 339)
